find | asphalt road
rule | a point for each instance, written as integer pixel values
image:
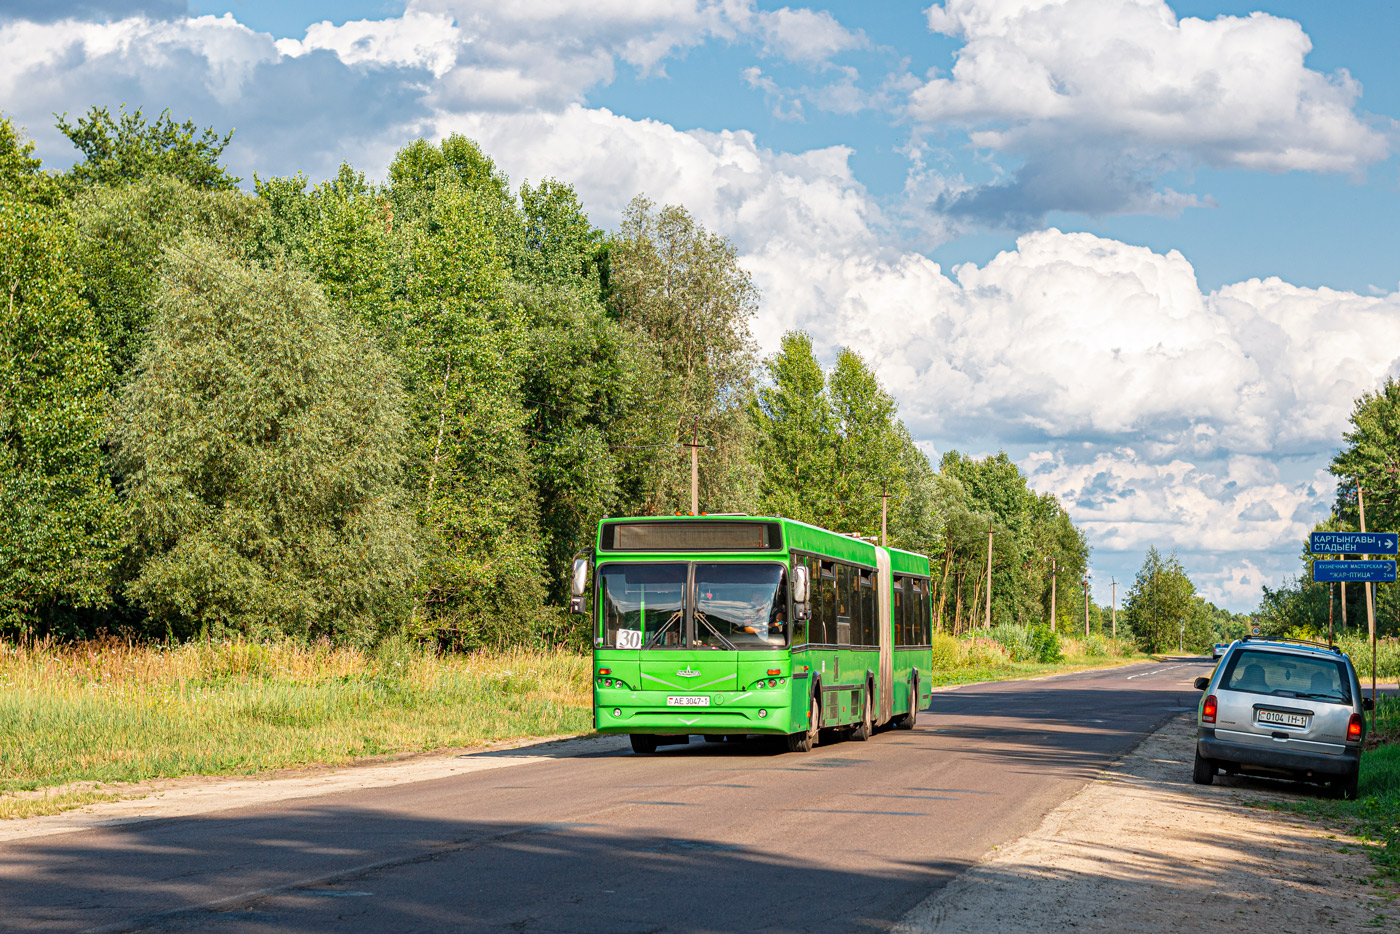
(699, 838)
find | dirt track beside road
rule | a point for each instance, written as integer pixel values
(1143, 849)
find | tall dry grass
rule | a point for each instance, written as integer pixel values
(111, 711)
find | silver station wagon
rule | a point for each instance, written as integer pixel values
(1282, 707)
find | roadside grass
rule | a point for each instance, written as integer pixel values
(1375, 814)
(1011, 671)
(75, 718)
(1006, 653)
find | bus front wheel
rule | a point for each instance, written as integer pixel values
(803, 742)
(644, 743)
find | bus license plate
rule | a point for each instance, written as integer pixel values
(687, 701)
(1283, 719)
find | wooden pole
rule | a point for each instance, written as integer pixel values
(1370, 608)
(884, 502)
(1054, 567)
(694, 446)
(1330, 639)
(1086, 607)
(1115, 607)
(988, 623)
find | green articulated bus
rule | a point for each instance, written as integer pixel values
(730, 626)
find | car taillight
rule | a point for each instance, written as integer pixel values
(1354, 728)
(1208, 710)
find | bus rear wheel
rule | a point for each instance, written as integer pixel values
(643, 743)
(906, 721)
(803, 742)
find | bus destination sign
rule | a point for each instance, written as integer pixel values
(1348, 572)
(1353, 543)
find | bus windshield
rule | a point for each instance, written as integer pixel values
(736, 606)
(742, 606)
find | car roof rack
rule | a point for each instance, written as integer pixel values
(1321, 645)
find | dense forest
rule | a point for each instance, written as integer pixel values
(343, 409)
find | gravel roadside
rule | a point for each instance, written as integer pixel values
(1144, 849)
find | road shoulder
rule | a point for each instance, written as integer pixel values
(202, 794)
(1144, 849)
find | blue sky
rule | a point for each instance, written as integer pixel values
(1146, 248)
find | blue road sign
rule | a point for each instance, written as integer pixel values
(1381, 572)
(1354, 543)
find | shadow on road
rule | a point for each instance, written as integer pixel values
(441, 875)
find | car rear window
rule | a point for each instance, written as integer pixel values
(1281, 674)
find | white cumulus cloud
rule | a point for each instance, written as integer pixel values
(1102, 97)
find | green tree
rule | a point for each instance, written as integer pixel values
(122, 150)
(261, 444)
(124, 232)
(1162, 609)
(462, 344)
(21, 175)
(687, 303)
(867, 450)
(60, 524)
(795, 434)
(1371, 455)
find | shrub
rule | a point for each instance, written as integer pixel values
(981, 652)
(1016, 640)
(1044, 644)
(946, 652)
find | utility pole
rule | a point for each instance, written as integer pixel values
(1054, 567)
(1330, 640)
(1086, 607)
(1115, 606)
(694, 446)
(884, 502)
(990, 533)
(1370, 608)
(1344, 605)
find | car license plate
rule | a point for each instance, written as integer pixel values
(688, 700)
(1284, 719)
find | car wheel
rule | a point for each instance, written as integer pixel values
(803, 742)
(643, 742)
(866, 728)
(1203, 773)
(1345, 787)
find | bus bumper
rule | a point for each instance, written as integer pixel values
(736, 713)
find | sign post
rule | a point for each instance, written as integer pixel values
(1365, 571)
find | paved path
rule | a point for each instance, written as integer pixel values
(588, 837)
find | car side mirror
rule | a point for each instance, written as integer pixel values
(1202, 683)
(1367, 704)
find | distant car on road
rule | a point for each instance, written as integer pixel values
(1283, 708)
(1219, 649)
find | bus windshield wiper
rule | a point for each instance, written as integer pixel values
(701, 617)
(652, 640)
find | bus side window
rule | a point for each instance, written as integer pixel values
(869, 619)
(897, 611)
(920, 618)
(843, 604)
(828, 606)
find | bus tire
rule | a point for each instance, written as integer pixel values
(866, 727)
(643, 743)
(906, 721)
(804, 741)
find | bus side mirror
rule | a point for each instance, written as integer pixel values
(578, 586)
(801, 587)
